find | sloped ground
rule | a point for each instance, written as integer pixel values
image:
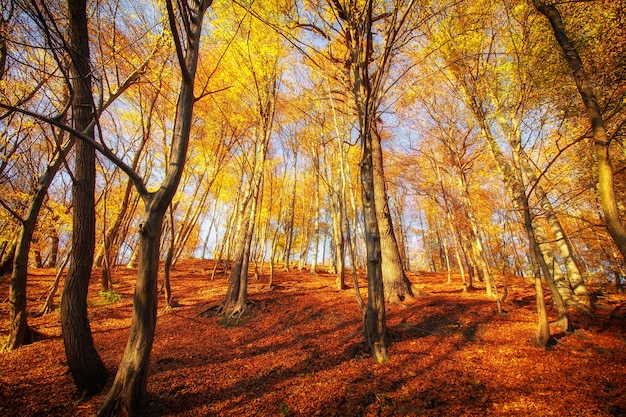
(300, 353)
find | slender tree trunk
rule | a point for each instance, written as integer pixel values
(446, 256)
(290, 220)
(452, 227)
(316, 221)
(48, 305)
(476, 240)
(234, 305)
(5, 16)
(19, 332)
(601, 140)
(576, 284)
(169, 256)
(339, 241)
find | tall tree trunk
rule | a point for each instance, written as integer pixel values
(87, 369)
(290, 219)
(316, 219)
(513, 180)
(375, 321)
(169, 256)
(129, 390)
(397, 285)
(601, 140)
(54, 249)
(339, 240)
(478, 248)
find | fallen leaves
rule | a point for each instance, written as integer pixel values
(301, 353)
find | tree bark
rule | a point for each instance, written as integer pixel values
(375, 322)
(88, 371)
(601, 139)
(8, 256)
(290, 218)
(397, 285)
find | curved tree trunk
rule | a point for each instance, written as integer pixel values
(88, 371)
(601, 140)
(575, 285)
(129, 390)
(19, 333)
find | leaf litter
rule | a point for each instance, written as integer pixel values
(300, 352)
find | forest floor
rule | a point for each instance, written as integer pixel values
(300, 353)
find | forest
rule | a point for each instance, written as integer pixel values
(411, 192)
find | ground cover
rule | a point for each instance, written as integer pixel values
(300, 352)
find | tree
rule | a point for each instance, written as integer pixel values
(366, 77)
(397, 286)
(601, 139)
(19, 333)
(88, 370)
(129, 390)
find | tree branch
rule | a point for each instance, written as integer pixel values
(176, 37)
(135, 178)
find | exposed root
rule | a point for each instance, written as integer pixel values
(228, 314)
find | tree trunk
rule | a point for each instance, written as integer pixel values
(88, 371)
(129, 390)
(290, 219)
(48, 305)
(234, 304)
(397, 285)
(19, 333)
(575, 285)
(476, 240)
(8, 256)
(601, 140)
(375, 322)
(4, 37)
(316, 219)
(167, 265)
(54, 249)
(339, 240)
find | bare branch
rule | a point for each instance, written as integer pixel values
(135, 178)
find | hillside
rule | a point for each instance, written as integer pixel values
(300, 353)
